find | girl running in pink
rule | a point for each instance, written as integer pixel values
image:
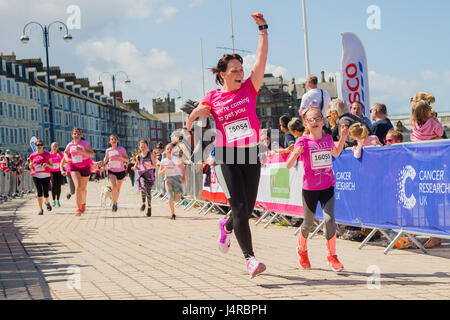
(116, 158)
(237, 167)
(79, 153)
(57, 177)
(316, 150)
(40, 164)
(145, 164)
(174, 176)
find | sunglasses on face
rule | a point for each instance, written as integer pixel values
(39, 145)
(312, 120)
(391, 140)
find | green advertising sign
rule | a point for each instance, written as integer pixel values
(279, 183)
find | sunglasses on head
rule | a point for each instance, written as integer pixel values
(391, 140)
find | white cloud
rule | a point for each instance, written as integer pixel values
(429, 75)
(196, 3)
(150, 71)
(249, 62)
(166, 14)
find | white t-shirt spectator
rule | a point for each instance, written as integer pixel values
(315, 94)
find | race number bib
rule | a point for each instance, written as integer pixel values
(55, 166)
(238, 130)
(115, 164)
(321, 159)
(39, 168)
(77, 159)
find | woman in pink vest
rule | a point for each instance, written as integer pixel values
(237, 137)
(57, 177)
(115, 158)
(40, 165)
(79, 153)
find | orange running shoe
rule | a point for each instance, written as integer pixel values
(334, 263)
(304, 260)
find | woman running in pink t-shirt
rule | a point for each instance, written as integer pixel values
(115, 158)
(237, 136)
(40, 164)
(79, 152)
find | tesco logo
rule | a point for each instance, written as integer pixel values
(355, 84)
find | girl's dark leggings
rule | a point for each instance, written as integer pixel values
(57, 179)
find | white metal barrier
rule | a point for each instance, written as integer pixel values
(14, 185)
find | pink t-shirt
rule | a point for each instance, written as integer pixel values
(429, 130)
(77, 158)
(38, 159)
(115, 161)
(235, 115)
(56, 160)
(368, 142)
(317, 162)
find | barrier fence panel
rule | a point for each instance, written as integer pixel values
(13, 185)
(212, 191)
(402, 187)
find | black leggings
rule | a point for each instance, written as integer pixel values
(42, 186)
(57, 179)
(240, 184)
(310, 201)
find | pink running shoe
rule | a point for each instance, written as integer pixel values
(224, 238)
(255, 267)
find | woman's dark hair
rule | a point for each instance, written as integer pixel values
(222, 65)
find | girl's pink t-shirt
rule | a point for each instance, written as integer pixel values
(317, 162)
(115, 161)
(429, 130)
(235, 115)
(56, 160)
(77, 158)
(38, 159)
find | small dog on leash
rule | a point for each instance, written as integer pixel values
(106, 195)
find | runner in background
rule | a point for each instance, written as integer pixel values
(79, 153)
(175, 175)
(237, 136)
(57, 177)
(115, 158)
(40, 164)
(145, 163)
(316, 150)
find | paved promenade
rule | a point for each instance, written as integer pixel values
(126, 255)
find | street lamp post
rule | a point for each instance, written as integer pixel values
(113, 78)
(45, 32)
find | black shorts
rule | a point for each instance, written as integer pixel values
(119, 175)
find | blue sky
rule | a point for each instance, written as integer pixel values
(157, 42)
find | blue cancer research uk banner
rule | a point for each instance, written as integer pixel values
(404, 186)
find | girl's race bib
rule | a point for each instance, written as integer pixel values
(321, 159)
